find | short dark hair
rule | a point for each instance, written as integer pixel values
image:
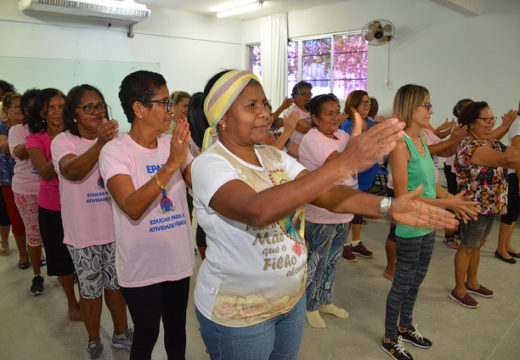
(139, 86)
(196, 118)
(27, 96)
(314, 106)
(471, 112)
(72, 102)
(299, 87)
(34, 119)
(459, 105)
(6, 86)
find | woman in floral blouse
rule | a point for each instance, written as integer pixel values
(481, 162)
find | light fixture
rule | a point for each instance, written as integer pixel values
(243, 7)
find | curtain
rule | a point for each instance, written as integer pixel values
(274, 57)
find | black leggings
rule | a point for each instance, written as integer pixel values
(147, 305)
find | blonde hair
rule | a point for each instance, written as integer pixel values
(177, 96)
(408, 98)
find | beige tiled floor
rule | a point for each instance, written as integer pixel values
(37, 327)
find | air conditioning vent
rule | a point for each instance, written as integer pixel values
(126, 10)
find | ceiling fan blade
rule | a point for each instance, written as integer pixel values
(369, 36)
(374, 26)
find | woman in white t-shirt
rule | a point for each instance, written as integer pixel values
(87, 212)
(325, 231)
(146, 173)
(249, 200)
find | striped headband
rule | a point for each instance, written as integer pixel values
(221, 96)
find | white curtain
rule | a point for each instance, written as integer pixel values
(274, 57)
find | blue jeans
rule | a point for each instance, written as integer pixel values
(278, 338)
(324, 246)
(413, 259)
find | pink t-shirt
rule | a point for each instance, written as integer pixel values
(158, 247)
(314, 149)
(297, 136)
(49, 194)
(26, 179)
(86, 205)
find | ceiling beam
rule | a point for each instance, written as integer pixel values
(466, 7)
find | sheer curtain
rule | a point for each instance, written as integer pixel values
(274, 57)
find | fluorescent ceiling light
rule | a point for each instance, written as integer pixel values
(243, 7)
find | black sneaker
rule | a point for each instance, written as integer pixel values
(37, 285)
(396, 350)
(412, 335)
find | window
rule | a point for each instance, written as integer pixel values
(255, 60)
(335, 63)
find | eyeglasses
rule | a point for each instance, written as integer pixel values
(305, 94)
(168, 103)
(427, 105)
(489, 119)
(14, 107)
(366, 102)
(90, 109)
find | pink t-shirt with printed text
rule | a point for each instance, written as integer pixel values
(26, 179)
(314, 149)
(158, 246)
(86, 205)
(49, 194)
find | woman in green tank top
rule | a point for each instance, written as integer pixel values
(413, 167)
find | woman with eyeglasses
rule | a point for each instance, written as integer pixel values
(358, 102)
(301, 94)
(250, 291)
(87, 212)
(45, 121)
(14, 116)
(413, 167)
(481, 165)
(146, 172)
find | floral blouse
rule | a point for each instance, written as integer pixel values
(485, 185)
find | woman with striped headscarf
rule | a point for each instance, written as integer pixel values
(250, 291)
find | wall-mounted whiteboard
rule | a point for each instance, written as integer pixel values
(63, 74)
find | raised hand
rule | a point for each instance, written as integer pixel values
(463, 208)
(289, 124)
(179, 143)
(358, 122)
(286, 103)
(363, 151)
(107, 131)
(459, 132)
(407, 209)
(509, 117)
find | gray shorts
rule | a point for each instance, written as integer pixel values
(474, 232)
(95, 266)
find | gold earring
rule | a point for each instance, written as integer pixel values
(223, 125)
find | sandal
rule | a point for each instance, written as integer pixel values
(450, 241)
(24, 266)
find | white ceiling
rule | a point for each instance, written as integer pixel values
(210, 7)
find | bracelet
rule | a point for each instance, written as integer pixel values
(163, 187)
(448, 196)
(385, 205)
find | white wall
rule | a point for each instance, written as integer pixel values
(453, 55)
(189, 48)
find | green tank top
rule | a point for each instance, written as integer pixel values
(421, 170)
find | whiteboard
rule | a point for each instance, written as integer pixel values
(63, 74)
